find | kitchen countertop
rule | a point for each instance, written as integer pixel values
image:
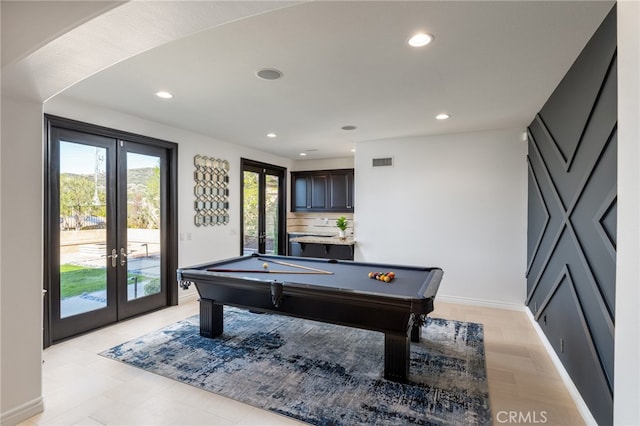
(311, 234)
(314, 239)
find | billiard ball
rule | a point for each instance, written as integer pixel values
(265, 265)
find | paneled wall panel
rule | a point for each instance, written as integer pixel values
(572, 219)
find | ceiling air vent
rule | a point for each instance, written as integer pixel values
(382, 162)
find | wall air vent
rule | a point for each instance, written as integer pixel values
(382, 162)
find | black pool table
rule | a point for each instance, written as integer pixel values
(341, 294)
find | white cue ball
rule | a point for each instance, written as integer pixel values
(265, 265)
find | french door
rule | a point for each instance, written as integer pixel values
(110, 226)
(263, 208)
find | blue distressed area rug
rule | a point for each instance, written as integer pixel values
(323, 374)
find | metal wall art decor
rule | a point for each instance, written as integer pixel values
(211, 191)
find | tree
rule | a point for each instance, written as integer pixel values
(143, 199)
(77, 199)
(250, 208)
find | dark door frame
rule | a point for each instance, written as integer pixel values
(262, 168)
(170, 242)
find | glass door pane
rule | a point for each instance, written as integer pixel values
(83, 230)
(272, 221)
(143, 254)
(251, 209)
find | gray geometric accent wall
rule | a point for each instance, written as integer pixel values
(572, 209)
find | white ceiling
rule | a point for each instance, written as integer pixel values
(491, 65)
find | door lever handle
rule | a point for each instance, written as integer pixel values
(113, 256)
(123, 257)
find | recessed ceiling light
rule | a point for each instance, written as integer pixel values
(164, 95)
(442, 116)
(353, 150)
(269, 74)
(420, 39)
(349, 127)
(271, 135)
(302, 154)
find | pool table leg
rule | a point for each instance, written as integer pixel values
(416, 321)
(396, 357)
(211, 324)
(415, 333)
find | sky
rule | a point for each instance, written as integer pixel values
(81, 159)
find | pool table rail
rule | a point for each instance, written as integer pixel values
(334, 305)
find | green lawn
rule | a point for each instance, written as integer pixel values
(75, 280)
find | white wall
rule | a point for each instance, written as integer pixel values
(453, 201)
(325, 164)
(197, 244)
(21, 262)
(626, 410)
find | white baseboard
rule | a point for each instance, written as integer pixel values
(187, 296)
(566, 379)
(23, 412)
(480, 302)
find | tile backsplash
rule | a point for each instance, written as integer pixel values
(317, 223)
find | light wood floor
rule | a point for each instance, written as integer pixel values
(83, 388)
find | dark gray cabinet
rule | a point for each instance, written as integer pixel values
(309, 192)
(326, 251)
(322, 191)
(341, 192)
(295, 249)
